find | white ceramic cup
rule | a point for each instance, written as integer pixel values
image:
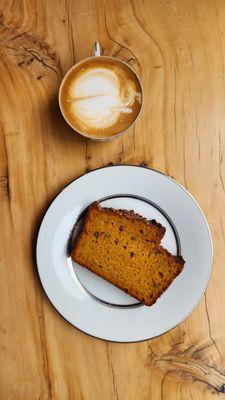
(97, 53)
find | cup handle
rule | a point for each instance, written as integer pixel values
(97, 50)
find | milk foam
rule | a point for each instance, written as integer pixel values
(98, 97)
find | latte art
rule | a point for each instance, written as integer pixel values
(97, 97)
(101, 99)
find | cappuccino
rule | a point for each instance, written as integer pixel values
(101, 97)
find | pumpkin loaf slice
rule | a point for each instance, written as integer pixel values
(124, 248)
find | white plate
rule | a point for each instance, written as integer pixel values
(94, 305)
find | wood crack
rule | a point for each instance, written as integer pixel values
(70, 30)
(193, 369)
(122, 46)
(220, 163)
(38, 57)
(221, 223)
(87, 156)
(204, 347)
(133, 137)
(163, 383)
(111, 369)
(146, 31)
(209, 326)
(5, 180)
(27, 47)
(46, 367)
(150, 348)
(184, 364)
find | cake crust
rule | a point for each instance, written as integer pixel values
(124, 248)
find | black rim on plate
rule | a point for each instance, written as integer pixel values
(73, 235)
(178, 184)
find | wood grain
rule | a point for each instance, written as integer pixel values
(178, 49)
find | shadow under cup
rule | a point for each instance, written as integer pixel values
(113, 89)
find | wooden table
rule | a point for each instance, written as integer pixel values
(178, 48)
